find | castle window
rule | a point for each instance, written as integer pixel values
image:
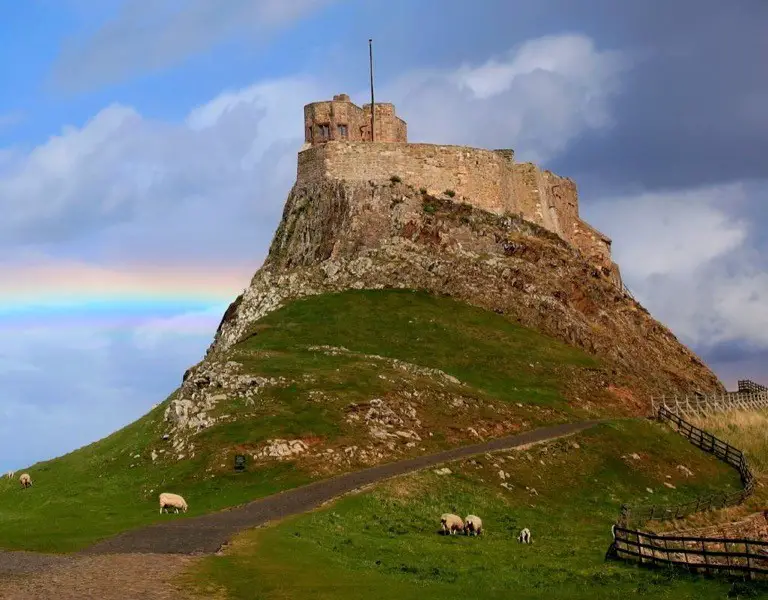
(309, 134)
(324, 131)
(343, 131)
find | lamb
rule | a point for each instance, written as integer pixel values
(172, 501)
(451, 523)
(473, 524)
(525, 536)
(25, 480)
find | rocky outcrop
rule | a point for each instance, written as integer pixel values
(336, 236)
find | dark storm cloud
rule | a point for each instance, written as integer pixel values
(693, 111)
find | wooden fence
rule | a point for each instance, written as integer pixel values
(747, 386)
(748, 558)
(745, 558)
(639, 514)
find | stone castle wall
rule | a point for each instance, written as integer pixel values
(488, 179)
(342, 120)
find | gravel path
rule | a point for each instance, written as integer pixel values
(208, 533)
(142, 563)
(103, 577)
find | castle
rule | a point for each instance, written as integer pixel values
(338, 145)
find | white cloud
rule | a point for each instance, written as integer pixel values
(141, 38)
(537, 98)
(231, 156)
(692, 263)
(169, 331)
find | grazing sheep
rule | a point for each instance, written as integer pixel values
(11, 474)
(525, 536)
(473, 524)
(451, 523)
(172, 501)
(25, 480)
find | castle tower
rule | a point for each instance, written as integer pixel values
(341, 119)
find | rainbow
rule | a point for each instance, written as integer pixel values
(76, 294)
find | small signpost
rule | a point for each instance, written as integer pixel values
(239, 463)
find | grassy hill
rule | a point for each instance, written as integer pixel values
(383, 543)
(448, 372)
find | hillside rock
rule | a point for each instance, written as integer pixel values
(336, 236)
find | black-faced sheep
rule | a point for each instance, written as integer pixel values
(25, 480)
(451, 523)
(473, 525)
(172, 501)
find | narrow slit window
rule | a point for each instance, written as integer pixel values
(325, 131)
(343, 131)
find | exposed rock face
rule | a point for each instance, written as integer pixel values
(204, 387)
(338, 235)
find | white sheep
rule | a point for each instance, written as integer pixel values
(473, 524)
(11, 474)
(525, 536)
(25, 480)
(172, 501)
(451, 523)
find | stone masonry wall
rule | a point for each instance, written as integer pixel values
(341, 112)
(487, 179)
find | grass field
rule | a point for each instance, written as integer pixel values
(383, 543)
(112, 485)
(748, 431)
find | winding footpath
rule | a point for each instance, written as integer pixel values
(173, 544)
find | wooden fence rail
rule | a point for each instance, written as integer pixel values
(740, 557)
(639, 514)
(746, 558)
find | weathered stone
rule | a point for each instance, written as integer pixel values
(337, 235)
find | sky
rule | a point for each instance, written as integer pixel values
(146, 150)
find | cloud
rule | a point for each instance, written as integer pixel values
(167, 332)
(141, 39)
(693, 262)
(539, 97)
(220, 176)
(690, 114)
(67, 382)
(10, 119)
(232, 158)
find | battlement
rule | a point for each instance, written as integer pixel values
(487, 179)
(340, 119)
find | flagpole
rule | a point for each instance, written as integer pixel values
(373, 105)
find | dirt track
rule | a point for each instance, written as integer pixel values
(207, 533)
(130, 564)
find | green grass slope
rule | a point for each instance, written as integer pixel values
(384, 543)
(510, 373)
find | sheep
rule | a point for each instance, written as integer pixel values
(11, 474)
(525, 536)
(451, 523)
(25, 480)
(172, 501)
(473, 524)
